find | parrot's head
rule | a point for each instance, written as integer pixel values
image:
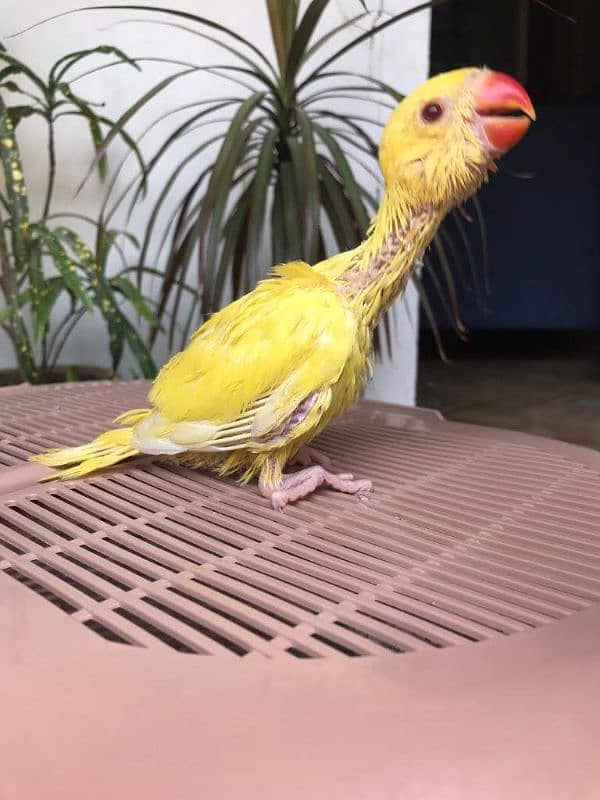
(444, 137)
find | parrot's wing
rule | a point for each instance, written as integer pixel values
(253, 364)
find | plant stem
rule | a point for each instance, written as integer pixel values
(11, 267)
(16, 330)
(44, 364)
(51, 167)
(4, 281)
(72, 321)
(16, 191)
(54, 336)
(4, 263)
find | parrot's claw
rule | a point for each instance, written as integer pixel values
(310, 456)
(300, 484)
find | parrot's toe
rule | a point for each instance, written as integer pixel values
(297, 485)
(279, 500)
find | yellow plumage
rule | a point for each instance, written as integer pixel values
(107, 449)
(264, 375)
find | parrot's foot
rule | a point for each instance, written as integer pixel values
(309, 456)
(297, 485)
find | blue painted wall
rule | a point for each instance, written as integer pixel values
(544, 233)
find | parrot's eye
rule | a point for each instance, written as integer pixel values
(431, 112)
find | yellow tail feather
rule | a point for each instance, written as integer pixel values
(106, 450)
(133, 416)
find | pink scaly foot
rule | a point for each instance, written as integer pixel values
(308, 457)
(300, 484)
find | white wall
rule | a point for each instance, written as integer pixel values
(399, 56)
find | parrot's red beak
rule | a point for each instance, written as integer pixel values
(504, 109)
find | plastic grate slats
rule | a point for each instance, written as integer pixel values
(466, 538)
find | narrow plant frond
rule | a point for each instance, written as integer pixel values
(301, 38)
(64, 64)
(278, 244)
(21, 68)
(357, 91)
(219, 185)
(368, 168)
(340, 94)
(253, 68)
(373, 201)
(118, 126)
(429, 313)
(311, 176)
(190, 126)
(344, 136)
(235, 234)
(369, 145)
(354, 117)
(431, 272)
(370, 33)
(258, 198)
(336, 206)
(289, 200)
(105, 212)
(484, 247)
(238, 272)
(444, 263)
(346, 175)
(455, 216)
(310, 51)
(123, 285)
(64, 265)
(279, 32)
(375, 84)
(174, 12)
(175, 62)
(455, 258)
(168, 187)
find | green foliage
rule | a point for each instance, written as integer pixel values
(283, 169)
(40, 262)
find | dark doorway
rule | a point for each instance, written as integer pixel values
(532, 360)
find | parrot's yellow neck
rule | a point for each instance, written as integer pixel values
(381, 265)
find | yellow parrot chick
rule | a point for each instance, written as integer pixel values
(263, 376)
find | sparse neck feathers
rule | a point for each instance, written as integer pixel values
(381, 265)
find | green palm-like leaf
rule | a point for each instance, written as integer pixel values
(257, 198)
(347, 176)
(66, 266)
(370, 34)
(102, 292)
(117, 128)
(301, 38)
(125, 287)
(311, 178)
(49, 296)
(64, 64)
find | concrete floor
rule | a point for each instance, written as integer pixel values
(558, 397)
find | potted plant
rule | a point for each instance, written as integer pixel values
(282, 167)
(43, 257)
